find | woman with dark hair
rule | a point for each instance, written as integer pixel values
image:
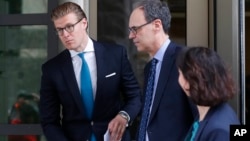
(209, 84)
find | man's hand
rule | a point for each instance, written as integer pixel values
(117, 127)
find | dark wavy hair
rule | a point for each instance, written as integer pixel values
(156, 9)
(211, 82)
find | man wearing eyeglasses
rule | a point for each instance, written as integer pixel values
(71, 109)
(166, 114)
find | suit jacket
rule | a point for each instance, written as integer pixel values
(171, 114)
(60, 95)
(216, 124)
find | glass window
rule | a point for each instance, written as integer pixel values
(22, 51)
(178, 21)
(23, 6)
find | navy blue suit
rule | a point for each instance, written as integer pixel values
(171, 114)
(59, 88)
(216, 124)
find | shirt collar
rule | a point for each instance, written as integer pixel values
(89, 48)
(160, 53)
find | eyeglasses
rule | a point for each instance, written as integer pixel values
(134, 29)
(68, 28)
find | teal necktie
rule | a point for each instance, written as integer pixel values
(86, 90)
(86, 87)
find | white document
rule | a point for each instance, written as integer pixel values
(107, 136)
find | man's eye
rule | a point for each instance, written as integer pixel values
(69, 26)
(59, 29)
(133, 28)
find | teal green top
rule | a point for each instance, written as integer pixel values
(190, 136)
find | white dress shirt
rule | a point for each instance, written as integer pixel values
(89, 56)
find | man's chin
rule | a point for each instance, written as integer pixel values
(69, 47)
(140, 49)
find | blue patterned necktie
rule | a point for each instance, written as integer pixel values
(148, 100)
(86, 90)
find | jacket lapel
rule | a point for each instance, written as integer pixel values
(100, 63)
(167, 65)
(100, 66)
(68, 73)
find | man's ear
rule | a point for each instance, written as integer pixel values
(157, 24)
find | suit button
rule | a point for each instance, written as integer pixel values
(92, 123)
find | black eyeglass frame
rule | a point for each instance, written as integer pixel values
(68, 28)
(134, 29)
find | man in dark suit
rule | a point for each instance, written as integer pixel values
(170, 112)
(116, 92)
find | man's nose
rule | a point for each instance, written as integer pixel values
(131, 35)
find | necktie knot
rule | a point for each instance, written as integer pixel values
(81, 55)
(153, 65)
(154, 61)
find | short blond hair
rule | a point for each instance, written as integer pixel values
(66, 8)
